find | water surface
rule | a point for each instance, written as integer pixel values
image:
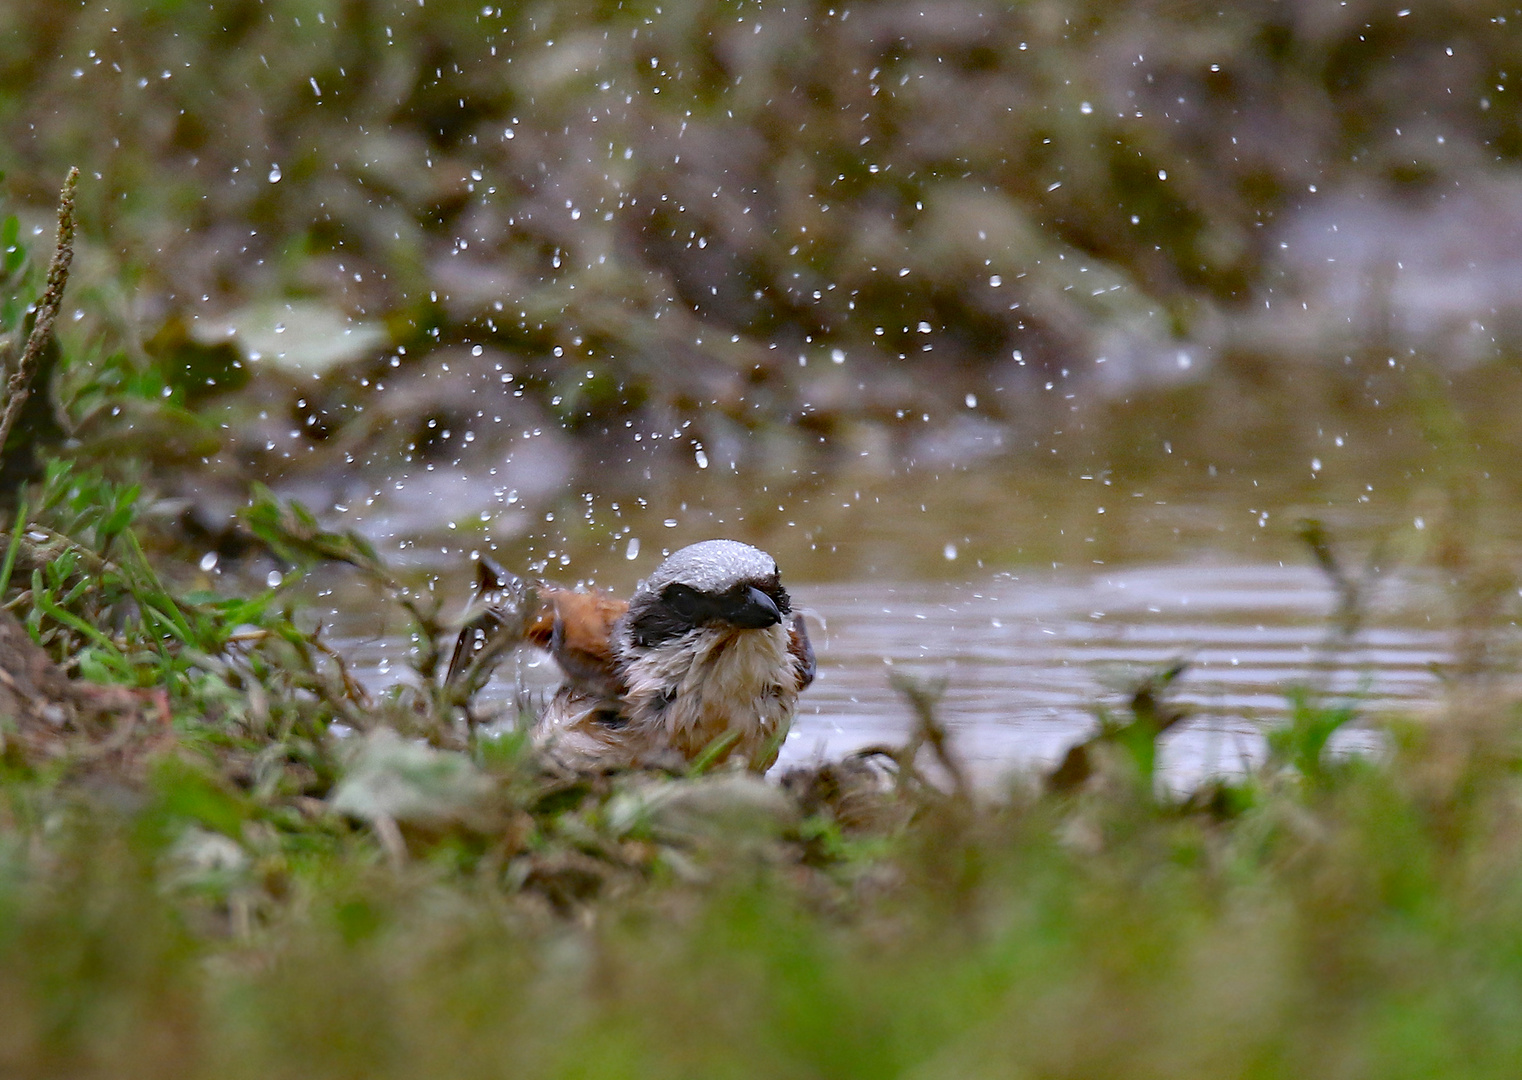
(1028, 656)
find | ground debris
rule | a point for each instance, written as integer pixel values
(47, 716)
(735, 809)
(1127, 743)
(860, 793)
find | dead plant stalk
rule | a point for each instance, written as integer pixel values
(19, 387)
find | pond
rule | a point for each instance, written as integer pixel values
(1003, 593)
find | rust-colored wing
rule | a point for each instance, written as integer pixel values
(574, 625)
(580, 637)
(803, 652)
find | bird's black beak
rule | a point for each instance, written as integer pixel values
(751, 610)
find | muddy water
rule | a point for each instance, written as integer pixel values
(1027, 656)
(1038, 590)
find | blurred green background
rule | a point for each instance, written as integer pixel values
(722, 163)
(373, 251)
(880, 286)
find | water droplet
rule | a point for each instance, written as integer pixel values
(950, 552)
(209, 561)
(633, 552)
(702, 458)
(273, 579)
(274, 174)
(838, 355)
(1086, 108)
(972, 401)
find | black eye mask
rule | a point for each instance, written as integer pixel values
(680, 609)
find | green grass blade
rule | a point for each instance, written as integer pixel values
(10, 552)
(74, 622)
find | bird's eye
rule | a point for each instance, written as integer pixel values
(681, 599)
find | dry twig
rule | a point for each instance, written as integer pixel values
(19, 387)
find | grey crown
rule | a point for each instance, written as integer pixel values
(712, 566)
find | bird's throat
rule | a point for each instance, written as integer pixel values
(714, 683)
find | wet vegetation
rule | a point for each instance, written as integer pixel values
(221, 856)
(329, 249)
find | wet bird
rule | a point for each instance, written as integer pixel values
(706, 658)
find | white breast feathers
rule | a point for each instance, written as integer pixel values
(713, 683)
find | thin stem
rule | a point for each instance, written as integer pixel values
(19, 387)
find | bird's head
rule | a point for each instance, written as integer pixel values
(717, 583)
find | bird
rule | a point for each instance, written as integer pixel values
(704, 661)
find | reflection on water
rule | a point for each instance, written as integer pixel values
(1028, 655)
